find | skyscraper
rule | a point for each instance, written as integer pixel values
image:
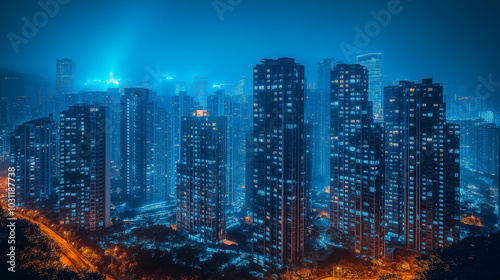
(156, 153)
(278, 187)
(322, 164)
(65, 75)
(357, 163)
(134, 107)
(220, 104)
(33, 154)
(217, 104)
(486, 148)
(143, 138)
(373, 63)
(20, 109)
(429, 148)
(200, 89)
(394, 122)
(201, 177)
(176, 107)
(84, 182)
(111, 100)
(325, 68)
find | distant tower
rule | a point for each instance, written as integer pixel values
(486, 148)
(220, 104)
(143, 138)
(168, 87)
(84, 189)
(177, 106)
(325, 68)
(357, 163)
(201, 89)
(33, 154)
(373, 63)
(279, 146)
(322, 164)
(65, 76)
(201, 177)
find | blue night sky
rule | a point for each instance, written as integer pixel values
(450, 41)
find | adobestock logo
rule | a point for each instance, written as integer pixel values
(372, 29)
(39, 19)
(221, 7)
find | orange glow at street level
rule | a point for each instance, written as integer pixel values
(248, 220)
(472, 220)
(229, 242)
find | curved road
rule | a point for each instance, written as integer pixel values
(77, 260)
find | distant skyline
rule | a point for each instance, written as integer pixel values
(453, 43)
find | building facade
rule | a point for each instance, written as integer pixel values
(84, 180)
(201, 177)
(278, 186)
(65, 76)
(144, 133)
(33, 152)
(357, 163)
(394, 123)
(373, 63)
(429, 148)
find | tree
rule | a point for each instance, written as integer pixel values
(475, 257)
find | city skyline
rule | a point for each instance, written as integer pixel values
(326, 39)
(235, 139)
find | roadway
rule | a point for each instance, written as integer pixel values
(70, 254)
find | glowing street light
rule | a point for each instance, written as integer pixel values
(338, 272)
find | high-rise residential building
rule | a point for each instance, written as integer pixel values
(4, 111)
(394, 124)
(468, 141)
(325, 68)
(201, 89)
(201, 177)
(20, 109)
(143, 145)
(486, 148)
(111, 100)
(176, 107)
(278, 186)
(357, 163)
(134, 109)
(217, 103)
(84, 180)
(65, 76)
(220, 104)
(373, 63)
(322, 138)
(4, 144)
(309, 158)
(33, 154)
(429, 149)
(156, 153)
